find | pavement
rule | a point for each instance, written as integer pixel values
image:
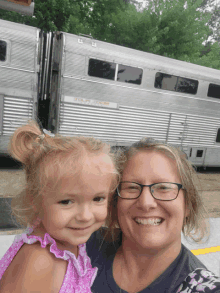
(208, 253)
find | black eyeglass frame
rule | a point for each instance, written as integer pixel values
(180, 186)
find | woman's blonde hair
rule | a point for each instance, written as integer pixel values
(195, 224)
(46, 160)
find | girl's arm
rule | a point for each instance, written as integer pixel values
(38, 272)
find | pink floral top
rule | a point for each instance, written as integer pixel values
(79, 275)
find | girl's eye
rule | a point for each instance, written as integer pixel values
(65, 202)
(99, 199)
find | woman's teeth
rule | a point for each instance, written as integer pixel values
(150, 221)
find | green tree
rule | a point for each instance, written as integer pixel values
(176, 29)
(49, 15)
(166, 28)
(213, 6)
(211, 57)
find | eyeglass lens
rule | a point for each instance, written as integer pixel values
(162, 191)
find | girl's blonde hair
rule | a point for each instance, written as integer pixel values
(195, 225)
(46, 160)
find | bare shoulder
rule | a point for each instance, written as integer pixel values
(34, 269)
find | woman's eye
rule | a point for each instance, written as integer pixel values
(132, 187)
(99, 199)
(66, 202)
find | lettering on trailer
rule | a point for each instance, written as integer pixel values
(90, 102)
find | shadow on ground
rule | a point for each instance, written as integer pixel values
(6, 162)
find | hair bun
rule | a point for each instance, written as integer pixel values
(23, 141)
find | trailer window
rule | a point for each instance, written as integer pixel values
(175, 83)
(218, 136)
(214, 91)
(129, 74)
(186, 85)
(3, 46)
(199, 153)
(165, 81)
(102, 69)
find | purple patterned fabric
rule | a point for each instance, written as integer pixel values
(200, 280)
(79, 275)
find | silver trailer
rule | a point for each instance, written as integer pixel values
(80, 86)
(120, 95)
(21, 74)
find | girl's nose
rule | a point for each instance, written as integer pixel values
(146, 200)
(84, 214)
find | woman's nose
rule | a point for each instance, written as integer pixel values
(146, 199)
(84, 214)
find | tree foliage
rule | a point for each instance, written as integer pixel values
(179, 29)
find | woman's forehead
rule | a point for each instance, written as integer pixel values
(149, 155)
(150, 161)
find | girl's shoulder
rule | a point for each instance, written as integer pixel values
(36, 268)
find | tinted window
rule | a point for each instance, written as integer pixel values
(214, 91)
(218, 136)
(175, 83)
(129, 74)
(102, 69)
(186, 85)
(165, 81)
(199, 153)
(3, 46)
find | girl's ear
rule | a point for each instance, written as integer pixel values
(37, 222)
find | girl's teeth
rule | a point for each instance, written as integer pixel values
(148, 221)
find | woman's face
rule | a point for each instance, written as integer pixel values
(137, 217)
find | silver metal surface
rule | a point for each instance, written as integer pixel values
(17, 111)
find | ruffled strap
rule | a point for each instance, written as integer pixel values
(82, 264)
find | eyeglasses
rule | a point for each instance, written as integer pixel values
(165, 191)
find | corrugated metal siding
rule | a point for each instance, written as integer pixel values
(18, 33)
(177, 129)
(21, 45)
(75, 64)
(110, 51)
(123, 125)
(15, 79)
(128, 124)
(200, 131)
(16, 112)
(23, 55)
(132, 96)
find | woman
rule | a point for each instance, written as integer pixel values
(156, 200)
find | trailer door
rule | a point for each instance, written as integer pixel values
(197, 155)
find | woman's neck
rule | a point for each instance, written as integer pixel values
(136, 268)
(141, 257)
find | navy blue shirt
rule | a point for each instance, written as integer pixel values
(102, 254)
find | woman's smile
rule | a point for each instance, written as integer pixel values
(154, 221)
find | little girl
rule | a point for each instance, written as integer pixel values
(69, 184)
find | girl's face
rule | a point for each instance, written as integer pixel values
(79, 205)
(148, 223)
